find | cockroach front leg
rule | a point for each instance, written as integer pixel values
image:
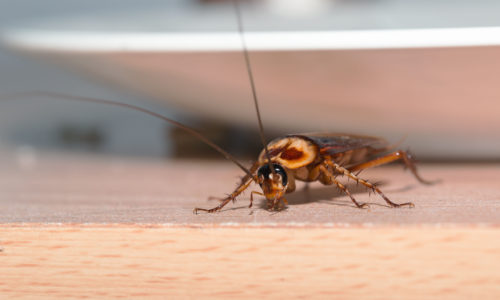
(369, 185)
(241, 187)
(329, 177)
(251, 197)
(277, 204)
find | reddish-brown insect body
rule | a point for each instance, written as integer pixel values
(317, 157)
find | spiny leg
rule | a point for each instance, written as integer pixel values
(397, 155)
(374, 188)
(251, 197)
(241, 187)
(332, 179)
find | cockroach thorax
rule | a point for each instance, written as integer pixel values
(290, 152)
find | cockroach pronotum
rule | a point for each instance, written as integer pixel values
(306, 157)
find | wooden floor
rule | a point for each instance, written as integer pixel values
(74, 226)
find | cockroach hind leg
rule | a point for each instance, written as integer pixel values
(410, 163)
(404, 156)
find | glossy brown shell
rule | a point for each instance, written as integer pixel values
(334, 143)
(291, 152)
(298, 150)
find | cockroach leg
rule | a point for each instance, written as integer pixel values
(215, 209)
(331, 178)
(247, 180)
(277, 204)
(251, 197)
(211, 198)
(397, 155)
(369, 185)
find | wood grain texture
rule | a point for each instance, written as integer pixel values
(155, 262)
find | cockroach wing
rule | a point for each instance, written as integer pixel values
(334, 143)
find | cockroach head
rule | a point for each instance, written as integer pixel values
(273, 184)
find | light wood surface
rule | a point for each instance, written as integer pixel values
(75, 226)
(40, 188)
(108, 262)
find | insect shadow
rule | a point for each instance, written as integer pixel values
(331, 195)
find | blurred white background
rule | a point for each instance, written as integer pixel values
(38, 124)
(332, 79)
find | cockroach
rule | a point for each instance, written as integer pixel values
(307, 157)
(317, 157)
(311, 157)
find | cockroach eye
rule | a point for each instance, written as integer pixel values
(265, 172)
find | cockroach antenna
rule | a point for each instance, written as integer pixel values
(133, 107)
(252, 83)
